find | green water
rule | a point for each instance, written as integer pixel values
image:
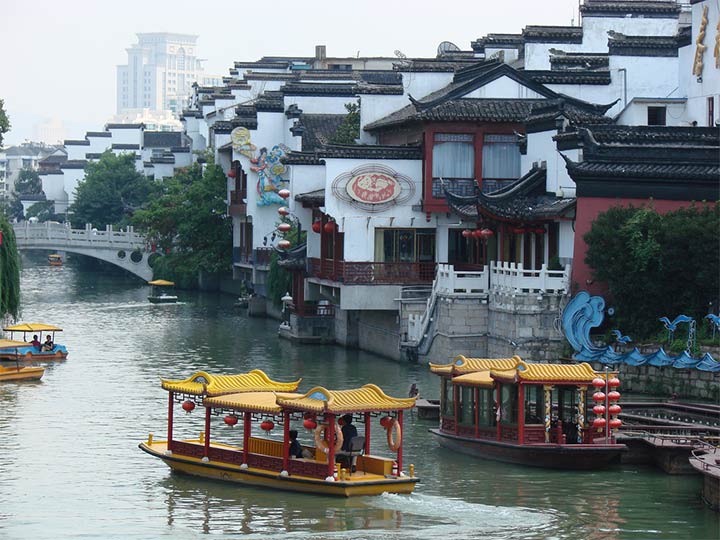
(70, 466)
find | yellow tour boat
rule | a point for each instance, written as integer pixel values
(20, 373)
(10, 349)
(54, 259)
(159, 294)
(254, 400)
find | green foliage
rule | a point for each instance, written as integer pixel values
(28, 182)
(349, 130)
(4, 121)
(43, 210)
(189, 218)
(13, 208)
(110, 192)
(279, 280)
(9, 271)
(655, 264)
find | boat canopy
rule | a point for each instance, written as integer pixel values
(462, 365)
(582, 373)
(368, 398)
(478, 378)
(161, 283)
(205, 384)
(11, 344)
(32, 327)
(257, 402)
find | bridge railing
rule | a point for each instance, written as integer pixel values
(27, 233)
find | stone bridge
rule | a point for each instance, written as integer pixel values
(126, 249)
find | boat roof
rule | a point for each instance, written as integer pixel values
(161, 283)
(206, 384)
(582, 373)
(462, 365)
(54, 256)
(478, 378)
(260, 402)
(369, 398)
(32, 327)
(9, 343)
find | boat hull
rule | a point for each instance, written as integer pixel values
(549, 456)
(162, 299)
(30, 354)
(22, 374)
(270, 479)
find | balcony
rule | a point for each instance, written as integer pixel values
(238, 204)
(372, 273)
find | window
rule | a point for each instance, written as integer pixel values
(404, 245)
(447, 397)
(534, 404)
(656, 116)
(501, 157)
(486, 414)
(509, 401)
(711, 111)
(453, 156)
(466, 406)
(181, 58)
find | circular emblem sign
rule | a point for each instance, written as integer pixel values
(373, 188)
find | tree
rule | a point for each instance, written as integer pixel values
(655, 264)
(28, 182)
(189, 219)
(9, 271)
(4, 121)
(111, 191)
(43, 210)
(349, 130)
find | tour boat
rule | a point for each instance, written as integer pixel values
(55, 259)
(24, 350)
(18, 373)
(540, 420)
(159, 293)
(253, 400)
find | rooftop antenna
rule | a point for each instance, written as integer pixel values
(447, 47)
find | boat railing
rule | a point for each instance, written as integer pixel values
(700, 454)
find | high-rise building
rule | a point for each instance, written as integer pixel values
(159, 74)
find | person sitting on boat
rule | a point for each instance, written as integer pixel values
(348, 431)
(413, 390)
(48, 345)
(296, 450)
(36, 342)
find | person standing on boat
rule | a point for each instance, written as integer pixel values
(413, 390)
(36, 342)
(48, 345)
(348, 431)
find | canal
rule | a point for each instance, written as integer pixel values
(70, 466)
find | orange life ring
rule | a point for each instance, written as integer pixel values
(320, 441)
(394, 442)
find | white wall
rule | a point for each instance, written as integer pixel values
(320, 104)
(504, 87)
(567, 241)
(126, 135)
(636, 113)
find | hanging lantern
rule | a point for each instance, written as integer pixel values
(613, 396)
(317, 226)
(309, 424)
(188, 406)
(385, 421)
(614, 382)
(615, 423)
(267, 425)
(232, 173)
(540, 230)
(329, 227)
(518, 230)
(486, 234)
(598, 397)
(599, 409)
(284, 193)
(614, 409)
(283, 211)
(284, 227)
(231, 420)
(284, 244)
(467, 233)
(599, 423)
(597, 382)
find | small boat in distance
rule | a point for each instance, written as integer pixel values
(159, 293)
(10, 349)
(54, 259)
(252, 400)
(18, 373)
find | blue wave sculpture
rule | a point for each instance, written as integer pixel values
(585, 312)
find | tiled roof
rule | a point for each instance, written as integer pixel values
(162, 139)
(259, 402)
(498, 41)
(313, 198)
(366, 151)
(624, 7)
(369, 398)
(478, 378)
(563, 373)
(124, 126)
(623, 45)
(614, 134)
(586, 77)
(560, 60)
(74, 164)
(98, 134)
(125, 146)
(76, 142)
(553, 34)
(263, 65)
(319, 89)
(302, 158)
(542, 116)
(270, 101)
(205, 384)
(319, 129)
(462, 365)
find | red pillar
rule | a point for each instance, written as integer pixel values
(399, 452)
(477, 412)
(367, 433)
(521, 413)
(247, 426)
(331, 444)
(206, 452)
(170, 420)
(286, 439)
(455, 406)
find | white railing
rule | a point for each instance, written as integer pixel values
(512, 277)
(449, 280)
(62, 235)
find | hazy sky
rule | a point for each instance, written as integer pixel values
(59, 57)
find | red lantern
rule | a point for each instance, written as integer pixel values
(329, 227)
(477, 233)
(317, 226)
(467, 233)
(1, 238)
(284, 193)
(385, 421)
(486, 234)
(613, 396)
(599, 423)
(599, 409)
(188, 406)
(231, 173)
(309, 423)
(614, 382)
(597, 382)
(615, 423)
(284, 244)
(614, 409)
(598, 397)
(284, 227)
(518, 230)
(283, 211)
(231, 420)
(267, 425)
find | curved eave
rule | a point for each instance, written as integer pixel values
(562, 374)
(255, 402)
(463, 365)
(369, 398)
(216, 385)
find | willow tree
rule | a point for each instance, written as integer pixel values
(9, 271)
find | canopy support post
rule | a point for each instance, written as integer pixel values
(367, 433)
(331, 445)
(286, 439)
(170, 420)
(206, 451)
(247, 426)
(399, 451)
